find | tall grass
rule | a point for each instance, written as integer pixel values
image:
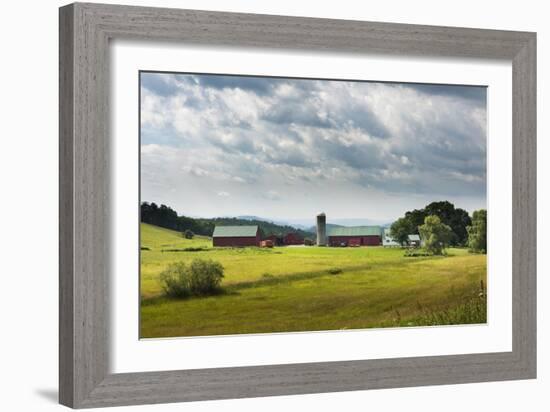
(472, 311)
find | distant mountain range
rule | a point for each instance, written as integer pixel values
(165, 216)
(309, 225)
(294, 224)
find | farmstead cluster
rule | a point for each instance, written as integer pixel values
(336, 236)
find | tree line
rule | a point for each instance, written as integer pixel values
(440, 224)
(165, 216)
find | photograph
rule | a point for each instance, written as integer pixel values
(281, 205)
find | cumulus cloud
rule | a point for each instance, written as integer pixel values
(233, 132)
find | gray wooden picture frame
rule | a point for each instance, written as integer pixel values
(85, 32)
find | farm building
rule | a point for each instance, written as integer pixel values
(236, 236)
(354, 236)
(293, 239)
(321, 229)
(388, 240)
(276, 240)
(266, 243)
(347, 236)
(414, 240)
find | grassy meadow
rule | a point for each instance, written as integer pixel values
(308, 288)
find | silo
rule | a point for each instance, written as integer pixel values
(321, 229)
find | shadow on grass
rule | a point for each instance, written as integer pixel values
(272, 280)
(267, 280)
(155, 300)
(295, 277)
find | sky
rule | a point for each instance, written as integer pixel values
(288, 149)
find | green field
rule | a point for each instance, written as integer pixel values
(292, 288)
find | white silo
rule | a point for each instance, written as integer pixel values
(321, 229)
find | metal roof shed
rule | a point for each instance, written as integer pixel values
(235, 231)
(355, 231)
(236, 236)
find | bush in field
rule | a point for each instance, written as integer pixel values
(188, 234)
(175, 280)
(416, 253)
(436, 235)
(200, 278)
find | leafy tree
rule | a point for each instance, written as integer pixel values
(188, 234)
(477, 232)
(415, 218)
(162, 216)
(401, 229)
(436, 235)
(457, 219)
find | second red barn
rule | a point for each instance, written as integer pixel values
(354, 236)
(293, 239)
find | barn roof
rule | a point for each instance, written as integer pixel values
(355, 231)
(235, 231)
(414, 238)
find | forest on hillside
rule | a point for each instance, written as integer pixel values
(165, 216)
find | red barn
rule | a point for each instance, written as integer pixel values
(355, 236)
(293, 239)
(277, 240)
(236, 236)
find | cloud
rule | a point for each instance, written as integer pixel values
(234, 132)
(223, 194)
(258, 85)
(477, 94)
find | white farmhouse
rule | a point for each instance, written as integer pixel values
(387, 240)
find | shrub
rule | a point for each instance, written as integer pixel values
(188, 234)
(206, 276)
(175, 280)
(201, 278)
(416, 253)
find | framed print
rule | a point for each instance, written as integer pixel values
(259, 160)
(257, 205)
